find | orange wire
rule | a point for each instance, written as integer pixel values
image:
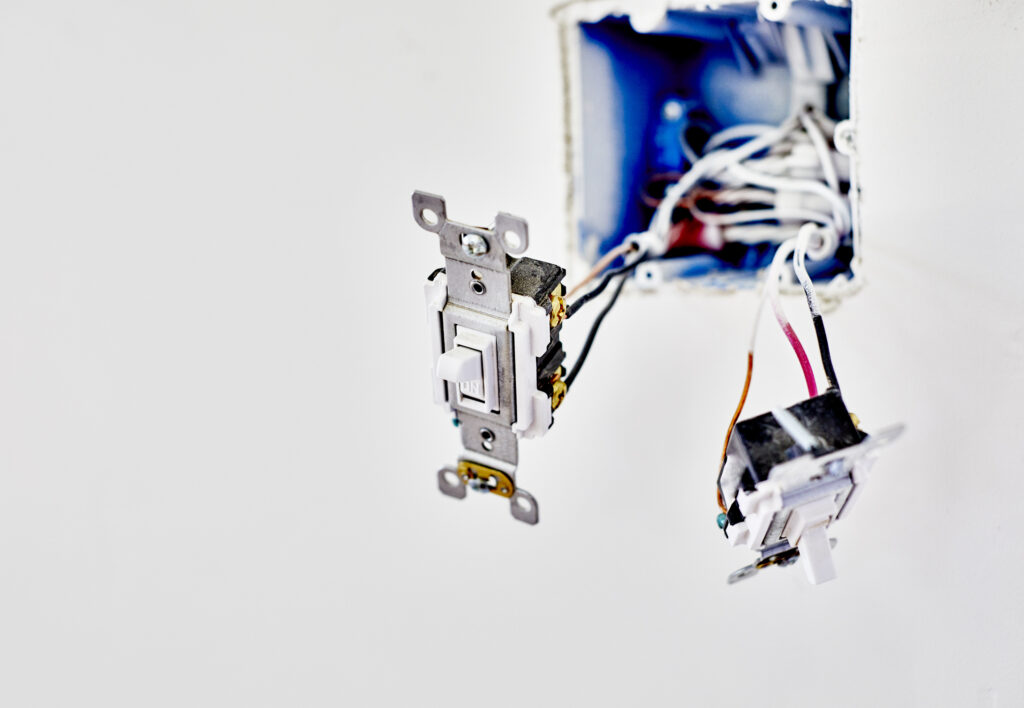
(732, 423)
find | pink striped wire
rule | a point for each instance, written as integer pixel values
(801, 354)
(772, 291)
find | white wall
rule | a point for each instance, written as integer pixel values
(217, 449)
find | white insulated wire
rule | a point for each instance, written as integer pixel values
(757, 318)
(758, 233)
(782, 254)
(784, 171)
(803, 239)
(840, 209)
(828, 164)
(754, 215)
(746, 130)
(737, 195)
(707, 166)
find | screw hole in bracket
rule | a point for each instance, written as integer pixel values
(513, 233)
(429, 211)
(513, 242)
(487, 439)
(449, 484)
(524, 507)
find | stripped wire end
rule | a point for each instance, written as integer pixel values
(621, 250)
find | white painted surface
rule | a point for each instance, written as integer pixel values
(213, 491)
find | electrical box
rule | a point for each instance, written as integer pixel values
(653, 87)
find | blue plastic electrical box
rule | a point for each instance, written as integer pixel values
(646, 92)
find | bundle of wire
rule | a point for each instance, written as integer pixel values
(758, 183)
(633, 257)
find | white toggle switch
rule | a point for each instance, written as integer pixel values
(816, 555)
(808, 527)
(460, 365)
(471, 364)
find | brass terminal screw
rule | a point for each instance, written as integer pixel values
(557, 306)
(558, 389)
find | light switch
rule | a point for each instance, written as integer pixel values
(472, 365)
(460, 365)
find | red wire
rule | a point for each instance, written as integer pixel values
(805, 363)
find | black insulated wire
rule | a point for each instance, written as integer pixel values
(597, 324)
(826, 355)
(591, 294)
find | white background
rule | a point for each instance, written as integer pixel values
(217, 446)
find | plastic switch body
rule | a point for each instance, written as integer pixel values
(788, 475)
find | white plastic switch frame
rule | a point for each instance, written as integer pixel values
(435, 293)
(529, 325)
